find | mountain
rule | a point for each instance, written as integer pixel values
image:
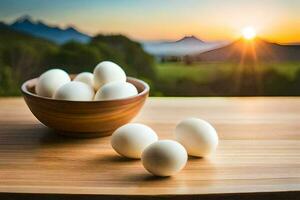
(190, 40)
(253, 50)
(53, 33)
(10, 38)
(185, 46)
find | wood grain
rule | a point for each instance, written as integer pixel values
(85, 118)
(258, 155)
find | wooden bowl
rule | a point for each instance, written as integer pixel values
(85, 118)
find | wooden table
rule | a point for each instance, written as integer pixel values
(258, 156)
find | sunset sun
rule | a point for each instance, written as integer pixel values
(249, 32)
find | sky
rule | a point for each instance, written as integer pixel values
(275, 20)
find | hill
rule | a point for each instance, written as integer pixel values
(23, 56)
(253, 50)
(53, 33)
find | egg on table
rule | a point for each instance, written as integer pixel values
(75, 91)
(116, 90)
(106, 72)
(85, 77)
(131, 139)
(50, 81)
(164, 158)
(197, 136)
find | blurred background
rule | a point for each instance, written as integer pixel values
(181, 48)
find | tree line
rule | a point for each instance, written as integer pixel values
(23, 57)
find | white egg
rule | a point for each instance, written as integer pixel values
(131, 139)
(50, 81)
(85, 77)
(164, 158)
(197, 136)
(116, 90)
(75, 91)
(106, 72)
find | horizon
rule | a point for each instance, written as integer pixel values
(279, 23)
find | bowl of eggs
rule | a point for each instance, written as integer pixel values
(87, 104)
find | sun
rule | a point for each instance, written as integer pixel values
(249, 33)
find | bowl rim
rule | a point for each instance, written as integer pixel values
(146, 90)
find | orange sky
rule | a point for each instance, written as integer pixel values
(274, 20)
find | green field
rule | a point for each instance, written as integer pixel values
(206, 72)
(228, 79)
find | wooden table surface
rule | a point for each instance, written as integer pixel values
(258, 154)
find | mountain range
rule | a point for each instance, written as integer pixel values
(53, 33)
(184, 46)
(192, 46)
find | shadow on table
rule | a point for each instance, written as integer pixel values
(32, 136)
(112, 159)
